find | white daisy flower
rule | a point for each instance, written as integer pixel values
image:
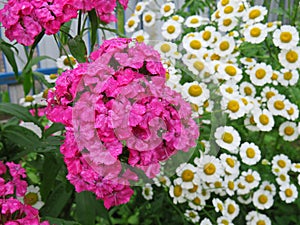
(193, 43)
(224, 220)
(229, 10)
(205, 221)
(288, 193)
(149, 18)
(248, 61)
(268, 92)
(288, 130)
(195, 92)
(256, 218)
(51, 78)
(250, 153)
(208, 34)
(228, 89)
(232, 209)
(197, 66)
(286, 37)
(229, 71)
(290, 59)
(162, 180)
(195, 21)
(231, 164)
(276, 105)
(219, 205)
(171, 30)
(140, 7)
(243, 187)
(228, 138)
(230, 185)
(234, 107)
(262, 199)
(281, 163)
(131, 24)
(224, 46)
(66, 62)
(267, 186)
(209, 168)
(247, 89)
(255, 33)
(32, 197)
(282, 178)
(274, 78)
(141, 36)
(28, 100)
(264, 119)
(165, 48)
(255, 14)
(192, 215)
(147, 191)
(288, 77)
(177, 18)
(296, 167)
(261, 74)
(197, 203)
(250, 123)
(167, 9)
(187, 175)
(226, 24)
(251, 178)
(177, 193)
(271, 26)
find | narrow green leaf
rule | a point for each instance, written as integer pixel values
(41, 77)
(78, 49)
(85, 208)
(8, 52)
(54, 128)
(27, 81)
(94, 26)
(56, 221)
(35, 61)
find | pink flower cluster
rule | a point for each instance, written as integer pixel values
(12, 184)
(25, 19)
(120, 117)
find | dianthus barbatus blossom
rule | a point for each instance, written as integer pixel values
(119, 116)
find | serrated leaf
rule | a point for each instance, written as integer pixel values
(78, 49)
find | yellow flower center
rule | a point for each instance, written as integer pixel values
(194, 189)
(228, 9)
(291, 56)
(194, 21)
(197, 201)
(279, 105)
(230, 70)
(261, 222)
(254, 13)
(263, 119)
(249, 178)
(281, 163)
(260, 73)
(268, 188)
(231, 185)
(167, 8)
(52, 76)
(255, 32)
(225, 222)
(70, 62)
(171, 29)
(162, 180)
(288, 192)
(138, 7)
(187, 175)
(289, 130)
(286, 36)
(250, 152)
(195, 44)
(209, 168)
(206, 104)
(241, 186)
(230, 162)
(233, 106)
(177, 190)
(220, 206)
(148, 18)
(206, 35)
(248, 91)
(241, 8)
(165, 48)
(274, 76)
(218, 14)
(131, 23)
(140, 38)
(176, 18)
(227, 137)
(270, 94)
(224, 45)
(29, 98)
(263, 199)
(218, 184)
(195, 90)
(224, 2)
(229, 90)
(198, 65)
(195, 108)
(282, 177)
(290, 111)
(45, 93)
(215, 57)
(192, 215)
(31, 198)
(287, 75)
(251, 120)
(231, 209)
(227, 22)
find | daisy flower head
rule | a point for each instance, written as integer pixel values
(195, 21)
(255, 33)
(228, 89)
(165, 48)
(255, 14)
(230, 164)
(288, 77)
(218, 205)
(193, 43)
(140, 7)
(267, 186)
(229, 10)
(147, 191)
(205, 221)
(264, 119)
(167, 9)
(261, 74)
(224, 220)
(32, 197)
(262, 199)
(66, 62)
(28, 100)
(230, 71)
(292, 111)
(226, 24)
(250, 153)
(268, 92)
(177, 18)
(224, 46)
(208, 34)
(288, 193)
(51, 78)
(282, 178)
(277, 104)
(209, 168)
(281, 164)
(197, 66)
(272, 25)
(274, 78)
(192, 215)
(141, 36)
(228, 138)
(248, 61)
(195, 92)
(295, 167)
(132, 23)
(171, 30)
(232, 209)
(288, 130)
(149, 18)
(290, 59)
(256, 218)
(247, 89)
(197, 203)
(286, 37)
(187, 175)
(234, 107)
(177, 193)
(230, 184)
(250, 123)
(162, 180)
(251, 178)
(243, 187)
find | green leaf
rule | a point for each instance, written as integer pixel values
(56, 221)
(78, 49)
(18, 111)
(6, 49)
(94, 26)
(57, 200)
(85, 208)
(27, 81)
(54, 128)
(41, 77)
(35, 61)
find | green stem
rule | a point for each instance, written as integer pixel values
(120, 16)
(296, 8)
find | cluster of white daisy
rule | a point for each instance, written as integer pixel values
(207, 61)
